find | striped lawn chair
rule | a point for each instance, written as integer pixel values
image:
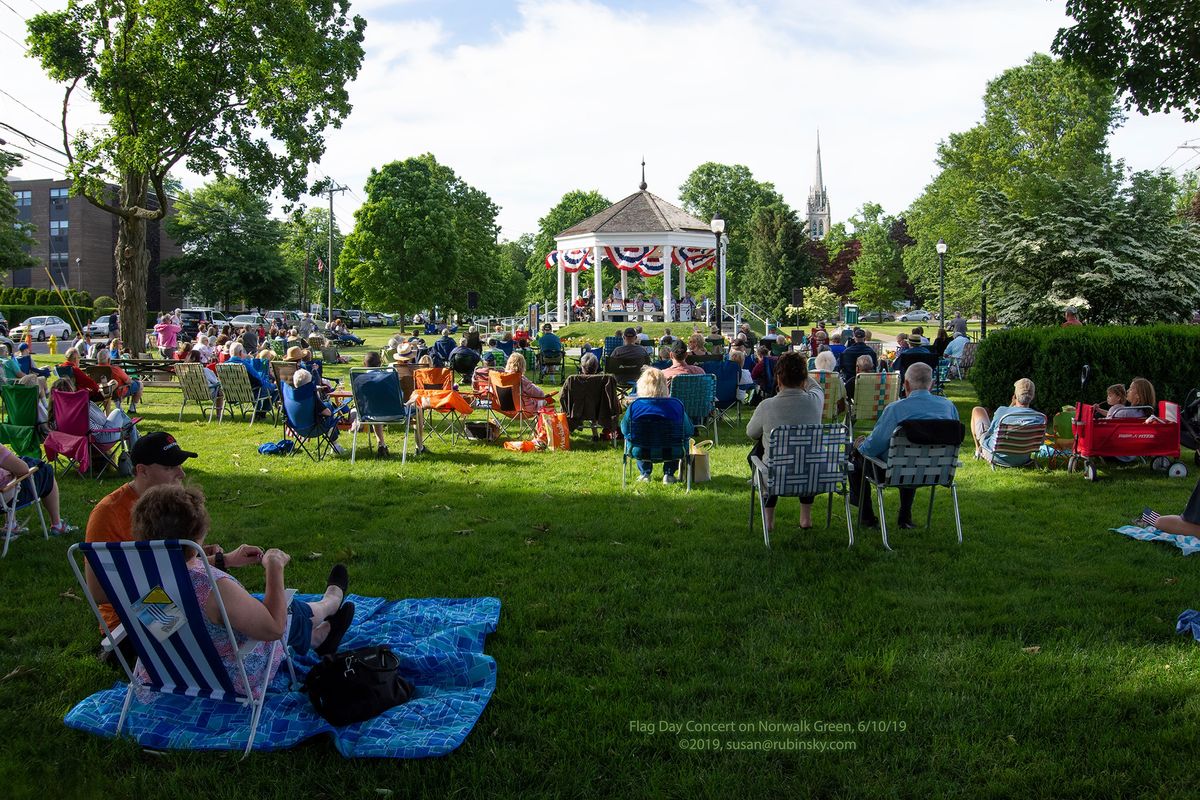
(698, 393)
(610, 343)
(802, 461)
(1018, 442)
(152, 593)
(873, 391)
(235, 383)
(194, 386)
(835, 392)
(912, 466)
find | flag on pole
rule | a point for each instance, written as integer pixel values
(320, 265)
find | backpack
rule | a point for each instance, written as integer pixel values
(356, 685)
(281, 448)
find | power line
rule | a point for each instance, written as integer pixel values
(14, 41)
(37, 114)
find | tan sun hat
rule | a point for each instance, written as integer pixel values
(405, 352)
(294, 354)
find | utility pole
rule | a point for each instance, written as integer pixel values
(304, 282)
(333, 187)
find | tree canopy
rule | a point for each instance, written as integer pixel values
(575, 206)
(423, 238)
(231, 246)
(305, 239)
(1149, 48)
(14, 235)
(877, 273)
(1117, 250)
(245, 88)
(780, 259)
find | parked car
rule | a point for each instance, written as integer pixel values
(877, 316)
(99, 327)
(389, 320)
(284, 319)
(374, 319)
(916, 315)
(42, 328)
(354, 318)
(190, 319)
(242, 320)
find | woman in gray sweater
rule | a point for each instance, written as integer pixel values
(798, 402)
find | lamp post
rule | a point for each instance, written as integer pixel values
(718, 227)
(983, 309)
(941, 251)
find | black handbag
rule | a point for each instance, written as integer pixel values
(356, 685)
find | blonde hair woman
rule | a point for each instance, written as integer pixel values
(531, 393)
(654, 405)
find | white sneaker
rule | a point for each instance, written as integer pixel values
(669, 479)
(643, 478)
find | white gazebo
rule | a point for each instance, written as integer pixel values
(642, 233)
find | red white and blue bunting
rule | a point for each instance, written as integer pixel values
(646, 261)
(572, 260)
(695, 258)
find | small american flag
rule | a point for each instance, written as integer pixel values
(320, 265)
(1149, 517)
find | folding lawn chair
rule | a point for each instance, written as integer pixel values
(698, 395)
(873, 391)
(591, 400)
(610, 343)
(1018, 443)
(239, 393)
(20, 427)
(802, 461)
(299, 413)
(912, 466)
(463, 363)
(626, 371)
(508, 402)
(150, 588)
(11, 502)
(74, 439)
(835, 392)
(657, 440)
(195, 387)
(380, 399)
(550, 363)
(435, 394)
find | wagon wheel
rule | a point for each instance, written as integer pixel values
(1071, 464)
(1089, 471)
(1160, 464)
(1177, 470)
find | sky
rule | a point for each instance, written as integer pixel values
(531, 99)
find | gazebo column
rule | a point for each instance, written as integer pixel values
(574, 287)
(682, 281)
(624, 286)
(597, 288)
(667, 251)
(562, 293)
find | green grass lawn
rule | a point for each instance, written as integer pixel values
(1037, 659)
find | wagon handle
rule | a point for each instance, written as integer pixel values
(1085, 376)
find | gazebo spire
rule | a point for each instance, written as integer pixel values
(642, 185)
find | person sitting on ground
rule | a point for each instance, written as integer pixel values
(178, 512)
(918, 403)
(798, 401)
(984, 428)
(848, 364)
(1140, 399)
(1115, 398)
(80, 378)
(535, 399)
(654, 401)
(679, 365)
(324, 415)
(440, 352)
(126, 386)
(1185, 524)
(630, 351)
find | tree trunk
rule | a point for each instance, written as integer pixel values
(133, 263)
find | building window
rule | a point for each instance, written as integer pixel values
(22, 278)
(59, 270)
(58, 227)
(24, 199)
(58, 203)
(58, 194)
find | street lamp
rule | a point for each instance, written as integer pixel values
(941, 250)
(718, 227)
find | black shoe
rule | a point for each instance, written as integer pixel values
(339, 623)
(907, 524)
(339, 577)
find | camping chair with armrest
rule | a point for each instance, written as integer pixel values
(508, 402)
(626, 371)
(20, 429)
(698, 395)
(610, 343)
(464, 363)
(802, 461)
(102, 374)
(657, 440)
(921, 453)
(591, 400)
(64, 371)
(11, 502)
(30, 368)
(73, 438)
(727, 375)
(301, 423)
(506, 347)
(1018, 441)
(873, 391)
(550, 363)
(380, 399)
(194, 386)
(151, 591)
(239, 393)
(941, 375)
(435, 394)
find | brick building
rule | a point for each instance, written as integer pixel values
(75, 241)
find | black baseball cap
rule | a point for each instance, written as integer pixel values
(159, 448)
(630, 332)
(859, 333)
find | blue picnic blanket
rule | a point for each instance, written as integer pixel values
(1189, 622)
(1188, 544)
(440, 645)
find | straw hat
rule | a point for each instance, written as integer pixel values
(294, 354)
(405, 352)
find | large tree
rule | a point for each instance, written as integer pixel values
(1118, 250)
(1043, 121)
(305, 240)
(780, 259)
(877, 273)
(575, 206)
(732, 191)
(1149, 48)
(248, 88)
(231, 246)
(14, 234)
(423, 238)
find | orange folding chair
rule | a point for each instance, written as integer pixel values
(433, 389)
(508, 402)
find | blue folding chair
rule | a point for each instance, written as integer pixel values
(728, 376)
(506, 347)
(656, 439)
(698, 395)
(29, 368)
(379, 399)
(151, 591)
(299, 411)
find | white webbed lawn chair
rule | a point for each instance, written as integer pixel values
(802, 461)
(148, 585)
(11, 503)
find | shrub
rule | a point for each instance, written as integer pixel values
(1054, 357)
(105, 303)
(18, 313)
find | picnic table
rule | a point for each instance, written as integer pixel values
(150, 371)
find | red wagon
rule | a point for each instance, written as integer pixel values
(1156, 438)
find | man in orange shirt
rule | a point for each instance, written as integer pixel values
(157, 460)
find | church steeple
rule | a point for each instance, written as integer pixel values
(819, 218)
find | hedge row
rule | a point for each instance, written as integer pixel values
(42, 297)
(15, 315)
(1054, 357)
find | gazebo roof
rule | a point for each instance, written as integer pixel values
(640, 212)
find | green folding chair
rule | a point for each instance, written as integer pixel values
(20, 427)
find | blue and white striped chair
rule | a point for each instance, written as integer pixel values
(802, 461)
(912, 466)
(150, 590)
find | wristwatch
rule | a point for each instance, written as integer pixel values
(219, 560)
